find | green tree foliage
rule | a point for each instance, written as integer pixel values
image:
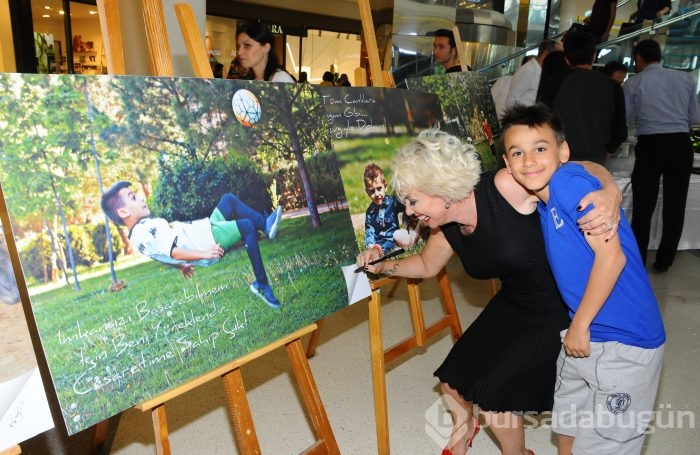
(81, 242)
(99, 241)
(36, 259)
(189, 190)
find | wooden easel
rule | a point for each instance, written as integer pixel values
(239, 409)
(237, 402)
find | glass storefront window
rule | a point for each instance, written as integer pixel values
(52, 43)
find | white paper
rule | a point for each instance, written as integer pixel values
(24, 409)
(357, 283)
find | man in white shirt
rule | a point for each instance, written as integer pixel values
(524, 83)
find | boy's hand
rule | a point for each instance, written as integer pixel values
(216, 252)
(577, 342)
(187, 270)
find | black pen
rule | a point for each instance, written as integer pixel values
(383, 258)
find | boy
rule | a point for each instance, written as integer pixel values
(611, 358)
(202, 242)
(382, 216)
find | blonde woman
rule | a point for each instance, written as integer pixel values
(505, 362)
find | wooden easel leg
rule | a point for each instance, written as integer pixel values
(394, 287)
(160, 429)
(313, 340)
(239, 411)
(99, 435)
(416, 312)
(312, 400)
(376, 345)
(448, 303)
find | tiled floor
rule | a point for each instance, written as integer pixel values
(199, 424)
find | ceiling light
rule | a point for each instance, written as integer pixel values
(47, 7)
(45, 15)
(93, 12)
(61, 12)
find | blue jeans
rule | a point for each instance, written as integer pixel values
(249, 222)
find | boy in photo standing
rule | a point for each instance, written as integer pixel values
(610, 363)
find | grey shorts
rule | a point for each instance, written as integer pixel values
(605, 401)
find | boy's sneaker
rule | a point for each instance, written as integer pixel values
(265, 293)
(273, 222)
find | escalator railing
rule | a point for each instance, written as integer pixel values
(680, 44)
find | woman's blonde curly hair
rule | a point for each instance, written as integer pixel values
(437, 164)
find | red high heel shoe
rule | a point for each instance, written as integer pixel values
(477, 427)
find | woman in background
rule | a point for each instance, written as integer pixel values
(255, 53)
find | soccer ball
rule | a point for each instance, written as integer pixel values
(246, 107)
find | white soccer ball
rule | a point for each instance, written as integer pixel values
(246, 107)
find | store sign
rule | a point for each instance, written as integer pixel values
(279, 29)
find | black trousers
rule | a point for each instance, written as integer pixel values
(671, 156)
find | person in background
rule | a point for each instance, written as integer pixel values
(218, 70)
(343, 81)
(255, 53)
(523, 85)
(601, 20)
(303, 77)
(590, 104)
(505, 362)
(327, 80)
(649, 10)
(615, 70)
(445, 51)
(555, 68)
(500, 89)
(664, 105)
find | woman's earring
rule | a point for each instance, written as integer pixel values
(448, 203)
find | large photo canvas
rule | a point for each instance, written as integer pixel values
(127, 301)
(468, 111)
(367, 125)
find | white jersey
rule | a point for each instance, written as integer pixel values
(155, 238)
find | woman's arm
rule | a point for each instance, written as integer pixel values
(434, 256)
(606, 204)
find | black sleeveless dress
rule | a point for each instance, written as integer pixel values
(506, 359)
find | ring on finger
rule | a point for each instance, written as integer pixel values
(609, 225)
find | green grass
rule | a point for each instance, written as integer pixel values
(109, 351)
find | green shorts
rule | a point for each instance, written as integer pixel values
(225, 231)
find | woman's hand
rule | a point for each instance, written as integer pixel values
(604, 217)
(363, 259)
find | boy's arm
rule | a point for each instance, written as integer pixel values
(607, 266)
(370, 234)
(606, 203)
(181, 254)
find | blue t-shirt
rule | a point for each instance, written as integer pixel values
(630, 315)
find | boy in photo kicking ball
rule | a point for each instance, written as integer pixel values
(199, 242)
(609, 366)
